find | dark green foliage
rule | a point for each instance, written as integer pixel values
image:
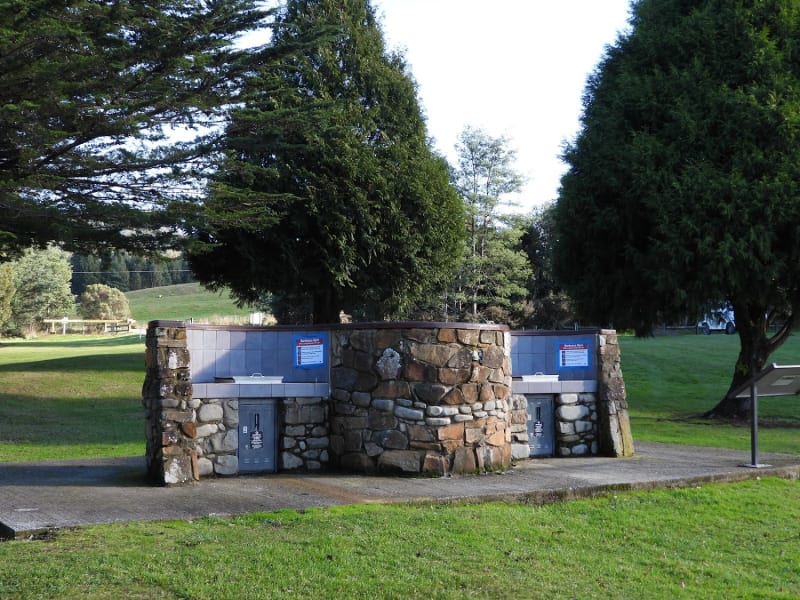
(550, 307)
(331, 197)
(86, 270)
(683, 184)
(88, 91)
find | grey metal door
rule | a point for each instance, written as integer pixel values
(258, 443)
(541, 425)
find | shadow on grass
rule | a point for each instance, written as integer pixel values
(53, 422)
(78, 342)
(131, 362)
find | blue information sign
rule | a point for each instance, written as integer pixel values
(310, 351)
(573, 353)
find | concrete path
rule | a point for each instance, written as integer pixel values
(35, 497)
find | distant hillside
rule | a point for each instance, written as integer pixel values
(184, 301)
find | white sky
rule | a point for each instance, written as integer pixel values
(515, 68)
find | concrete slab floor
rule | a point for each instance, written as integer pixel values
(38, 496)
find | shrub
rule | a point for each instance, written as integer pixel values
(100, 301)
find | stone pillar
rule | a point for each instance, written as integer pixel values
(421, 398)
(167, 396)
(612, 406)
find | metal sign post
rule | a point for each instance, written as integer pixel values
(754, 464)
(773, 381)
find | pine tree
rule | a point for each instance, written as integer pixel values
(86, 270)
(89, 93)
(684, 183)
(550, 306)
(331, 196)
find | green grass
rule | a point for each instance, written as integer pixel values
(717, 541)
(71, 397)
(181, 302)
(672, 380)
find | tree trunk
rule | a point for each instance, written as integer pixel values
(325, 310)
(755, 348)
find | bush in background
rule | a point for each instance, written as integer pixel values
(100, 301)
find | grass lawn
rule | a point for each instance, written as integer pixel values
(671, 380)
(718, 541)
(71, 397)
(181, 302)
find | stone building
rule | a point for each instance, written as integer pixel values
(415, 398)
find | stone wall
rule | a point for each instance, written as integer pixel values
(190, 437)
(303, 439)
(576, 425)
(217, 437)
(518, 427)
(418, 399)
(301, 430)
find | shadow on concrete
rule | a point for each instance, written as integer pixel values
(119, 472)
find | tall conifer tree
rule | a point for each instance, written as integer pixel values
(684, 183)
(331, 197)
(90, 91)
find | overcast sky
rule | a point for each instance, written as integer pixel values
(515, 68)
